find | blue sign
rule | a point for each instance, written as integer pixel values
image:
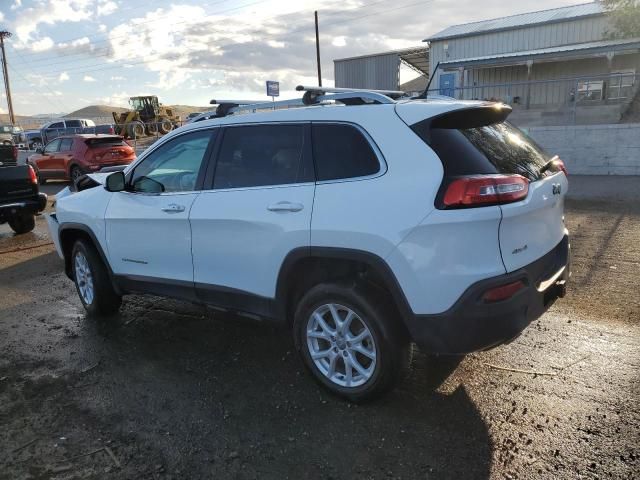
(273, 88)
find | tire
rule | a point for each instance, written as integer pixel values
(23, 224)
(92, 281)
(135, 130)
(152, 129)
(372, 320)
(165, 126)
(75, 173)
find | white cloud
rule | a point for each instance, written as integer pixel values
(50, 12)
(1, 16)
(106, 7)
(16, 4)
(42, 45)
(88, 78)
(340, 41)
(64, 76)
(116, 78)
(102, 28)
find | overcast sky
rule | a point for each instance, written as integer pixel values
(66, 54)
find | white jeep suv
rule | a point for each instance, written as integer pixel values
(363, 228)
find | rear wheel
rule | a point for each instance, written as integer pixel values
(23, 223)
(92, 281)
(347, 339)
(165, 126)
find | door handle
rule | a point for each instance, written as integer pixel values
(173, 208)
(285, 207)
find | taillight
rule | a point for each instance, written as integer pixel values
(15, 153)
(485, 189)
(560, 164)
(503, 292)
(32, 175)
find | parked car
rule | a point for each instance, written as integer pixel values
(362, 228)
(68, 126)
(8, 151)
(71, 156)
(15, 133)
(20, 199)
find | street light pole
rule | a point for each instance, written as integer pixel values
(5, 73)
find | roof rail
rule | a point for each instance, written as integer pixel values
(323, 90)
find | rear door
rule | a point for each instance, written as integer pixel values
(64, 155)
(531, 227)
(256, 211)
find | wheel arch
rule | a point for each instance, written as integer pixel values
(69, 233)
(306, 267)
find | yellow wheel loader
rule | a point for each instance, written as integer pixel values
(146, 117)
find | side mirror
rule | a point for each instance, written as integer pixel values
(40, 150)
(115, 182)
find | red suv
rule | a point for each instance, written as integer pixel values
(70, 156)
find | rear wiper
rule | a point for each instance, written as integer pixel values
(548, 165)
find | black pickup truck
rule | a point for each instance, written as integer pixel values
(20, 199)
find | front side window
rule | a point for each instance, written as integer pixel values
(342, 151)
(174, 166)
(52, 147)
(57, 125)
(261, 155)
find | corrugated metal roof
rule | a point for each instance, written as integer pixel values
(417, 57)
(523, 19)
(620, 44)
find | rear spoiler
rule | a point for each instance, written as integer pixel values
(475, 116)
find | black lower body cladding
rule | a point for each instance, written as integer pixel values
(472, 325)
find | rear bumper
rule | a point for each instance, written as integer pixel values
(472, 325)
(30, 206)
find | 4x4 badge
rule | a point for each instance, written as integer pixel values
(556, 189)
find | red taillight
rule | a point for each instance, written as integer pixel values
(486, 189)
(562, 166)
(32, 175)
(15, 153)
(503, 292)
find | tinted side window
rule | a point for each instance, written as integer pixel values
(65, 144)
(257, 155)
(342, 151)
(74, 124)
(56, 125)
(174, 166)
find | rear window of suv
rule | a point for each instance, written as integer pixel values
(106, 142)
(488, 149)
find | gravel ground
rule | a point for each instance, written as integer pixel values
(172, 390)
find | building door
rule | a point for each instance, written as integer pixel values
(447, 84)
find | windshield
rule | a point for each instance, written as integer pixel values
(6, 129)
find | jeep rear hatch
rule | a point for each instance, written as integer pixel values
(488, 161)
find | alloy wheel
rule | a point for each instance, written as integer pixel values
(341, 345)
(84, 279)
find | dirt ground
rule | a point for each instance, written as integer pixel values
(174, 391)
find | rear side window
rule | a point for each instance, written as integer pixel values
(260, 155)
(66, 144)
(73, 124)
(342, 151)
(489, 149)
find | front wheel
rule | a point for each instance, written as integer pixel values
(92, 281)
(348, 340)
(74, 174)
(23, 224)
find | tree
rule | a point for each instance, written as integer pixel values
(625, 17)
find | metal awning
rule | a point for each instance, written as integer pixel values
(579, 50)
(416, 58)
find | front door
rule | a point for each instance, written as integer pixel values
(256, 211)
(46, 162)
(447, 84)
(147, 226)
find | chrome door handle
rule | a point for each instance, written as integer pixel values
(173, 208)
(285, 207)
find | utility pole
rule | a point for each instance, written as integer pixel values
(5, 73)
(318, 51)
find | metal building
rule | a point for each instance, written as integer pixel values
(553, 57)
(381, 70)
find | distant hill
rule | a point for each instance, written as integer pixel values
(95, 111)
